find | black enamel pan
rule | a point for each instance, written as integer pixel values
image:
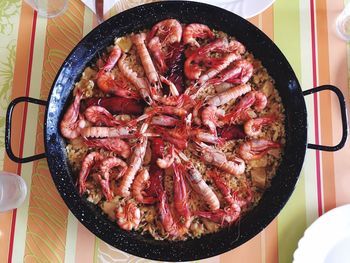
(282, 184)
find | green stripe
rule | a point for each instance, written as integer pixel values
(292, 219)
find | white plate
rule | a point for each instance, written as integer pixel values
(243, 8)
(327, 240)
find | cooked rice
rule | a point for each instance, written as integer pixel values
(268, 164)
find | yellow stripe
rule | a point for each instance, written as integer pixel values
(71, 238)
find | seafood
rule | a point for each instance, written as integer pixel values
(193, 31)
(164, 120)
(89, 161)
(256, 148)
(151, 73)
(240, 72)
(137, 188)
(224, 217)
(179, 137)
(101, 132)
(181, 195)
(228, 95)
(215, 157)
(112, 144)
(139, 83)
(128, 216)
(199, 185)
(169, 31)
(252, 98)
(134, 165)
(100, 116)
(105, 167)
(253, 126)
(69, 125)
(117, 105)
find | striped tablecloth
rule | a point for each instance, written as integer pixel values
(31, 51)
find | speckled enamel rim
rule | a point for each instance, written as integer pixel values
(282, 184)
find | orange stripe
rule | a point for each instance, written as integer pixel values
(18, 89)
(325, 105)
(254, 20)
(47, 221)
(267, 22)
(248, 252)
(271, 242)
(85, 247)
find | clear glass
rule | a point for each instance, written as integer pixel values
(343, 23)
(13, 191)
(48, 8)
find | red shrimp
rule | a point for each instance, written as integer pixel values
(100, 116)
(256, 148)
(228, 95)
(134, 164)
(140, 83)
(169, 31)
(150, 70)
(101, 132)
(89, 161)
(193, 31)
(217, 158)
(155, 47)
(165, 120)
(252, 98)
(140, 183)
(105, 167)
(197, 183)
(181, 195)
(113, 144)
(128, 216)
(240, 72)
(253, 127)
(69, 126)
(222, 186)
(224, 217)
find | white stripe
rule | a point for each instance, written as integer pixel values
(307, 83)
(29, 143)
(71, 238)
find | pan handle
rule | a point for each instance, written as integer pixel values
(8, 130)
(344, 118)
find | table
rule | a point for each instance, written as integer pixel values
(31, 51)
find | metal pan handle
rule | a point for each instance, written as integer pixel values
(344, 118)
(8, 130)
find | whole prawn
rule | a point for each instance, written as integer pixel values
(217, 158)
(89, 161)
(139, 83)
(195, 30)
(253, 127)
(112, 144)
(101, 132)
(151, 73)
(140, 183)
(134, 164)
(256, 148)
(105, 167)
(228, 95)
(69, 126)
(197, 183)
(128, 216)
(100, 116)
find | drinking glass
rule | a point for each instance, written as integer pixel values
(343, 23)
(13, 191)
(48, 8)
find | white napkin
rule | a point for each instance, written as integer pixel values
(107, 5)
